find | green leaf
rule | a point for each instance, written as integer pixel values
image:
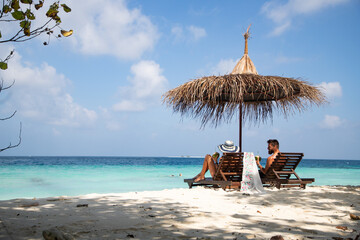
(54, 6)
(15, 4)
(52, 12)
(66, 8)
(39, 5)
(30, 15)
(57, 19)
(3, 65)
(26, 1)
(25, 24)
(18, 15)
(6, 9)
(27, 31)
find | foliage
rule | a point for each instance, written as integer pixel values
(21, 15)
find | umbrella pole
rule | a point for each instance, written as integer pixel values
(240, 126)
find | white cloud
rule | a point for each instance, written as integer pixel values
(281, 28)
(129, 106)
(40, 93)
(146, 87)
(197, 32)
(109, 27)
(331, 89)
(190, 33)
(331, 122)
(283, 14)
(225, 66)
(177, 31)
(110, 121)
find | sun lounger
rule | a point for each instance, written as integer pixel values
(228, 173)
(282, 172)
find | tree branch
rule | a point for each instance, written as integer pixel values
(3, 119)
(4, 88)
(13, 146)
(34, 33)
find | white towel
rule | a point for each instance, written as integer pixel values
(251, 182)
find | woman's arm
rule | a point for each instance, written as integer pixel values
(215, 161)
(215, 158)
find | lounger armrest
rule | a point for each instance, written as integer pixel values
(286, 172)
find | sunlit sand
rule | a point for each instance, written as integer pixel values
(318, 212)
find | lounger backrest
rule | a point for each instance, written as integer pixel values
(230, 166)
(284, 162)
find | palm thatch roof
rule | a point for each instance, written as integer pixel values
(216, 98)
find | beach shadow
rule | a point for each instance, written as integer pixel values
(320, 203)
(111, 217)
(104, 219)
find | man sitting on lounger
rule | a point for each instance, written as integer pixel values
(210, 162)
(273, 149)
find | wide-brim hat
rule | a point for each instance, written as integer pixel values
(228, 146)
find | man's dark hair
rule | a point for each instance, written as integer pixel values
(273, 142)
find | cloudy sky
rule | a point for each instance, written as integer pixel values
(98, 92)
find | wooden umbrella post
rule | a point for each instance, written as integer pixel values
(240, 126)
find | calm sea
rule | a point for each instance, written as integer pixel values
(29, 177)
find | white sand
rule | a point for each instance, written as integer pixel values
(198, 213)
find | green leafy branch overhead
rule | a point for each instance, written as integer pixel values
(21, 15)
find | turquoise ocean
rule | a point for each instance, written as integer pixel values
(37, 177)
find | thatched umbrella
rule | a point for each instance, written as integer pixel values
(216, 98)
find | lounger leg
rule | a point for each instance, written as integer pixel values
(190, 185)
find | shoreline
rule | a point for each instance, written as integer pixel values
(141, 191)
(183, 213)
(167, 189)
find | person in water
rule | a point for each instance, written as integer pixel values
(210, 162)
(273, 149)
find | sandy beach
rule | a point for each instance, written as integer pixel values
(318, 212)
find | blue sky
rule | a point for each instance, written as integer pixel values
(98, 92)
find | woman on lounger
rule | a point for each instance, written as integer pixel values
(210, 162)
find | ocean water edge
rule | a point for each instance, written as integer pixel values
(36, 177)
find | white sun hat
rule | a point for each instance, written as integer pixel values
(228, 146)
